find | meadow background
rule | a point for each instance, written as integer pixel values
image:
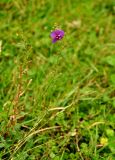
(57, 101)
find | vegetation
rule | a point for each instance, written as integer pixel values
(57, 101)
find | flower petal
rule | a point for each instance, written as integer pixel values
(61, 33)
(54, 40)
(53, 34)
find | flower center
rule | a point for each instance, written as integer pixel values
(58, 36)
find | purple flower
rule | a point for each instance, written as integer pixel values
(57, 35)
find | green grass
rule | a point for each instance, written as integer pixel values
(57, 101)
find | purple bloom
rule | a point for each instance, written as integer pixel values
(57, 35)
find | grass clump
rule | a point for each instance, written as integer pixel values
(57, 101)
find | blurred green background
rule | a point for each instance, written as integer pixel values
(57, 101)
